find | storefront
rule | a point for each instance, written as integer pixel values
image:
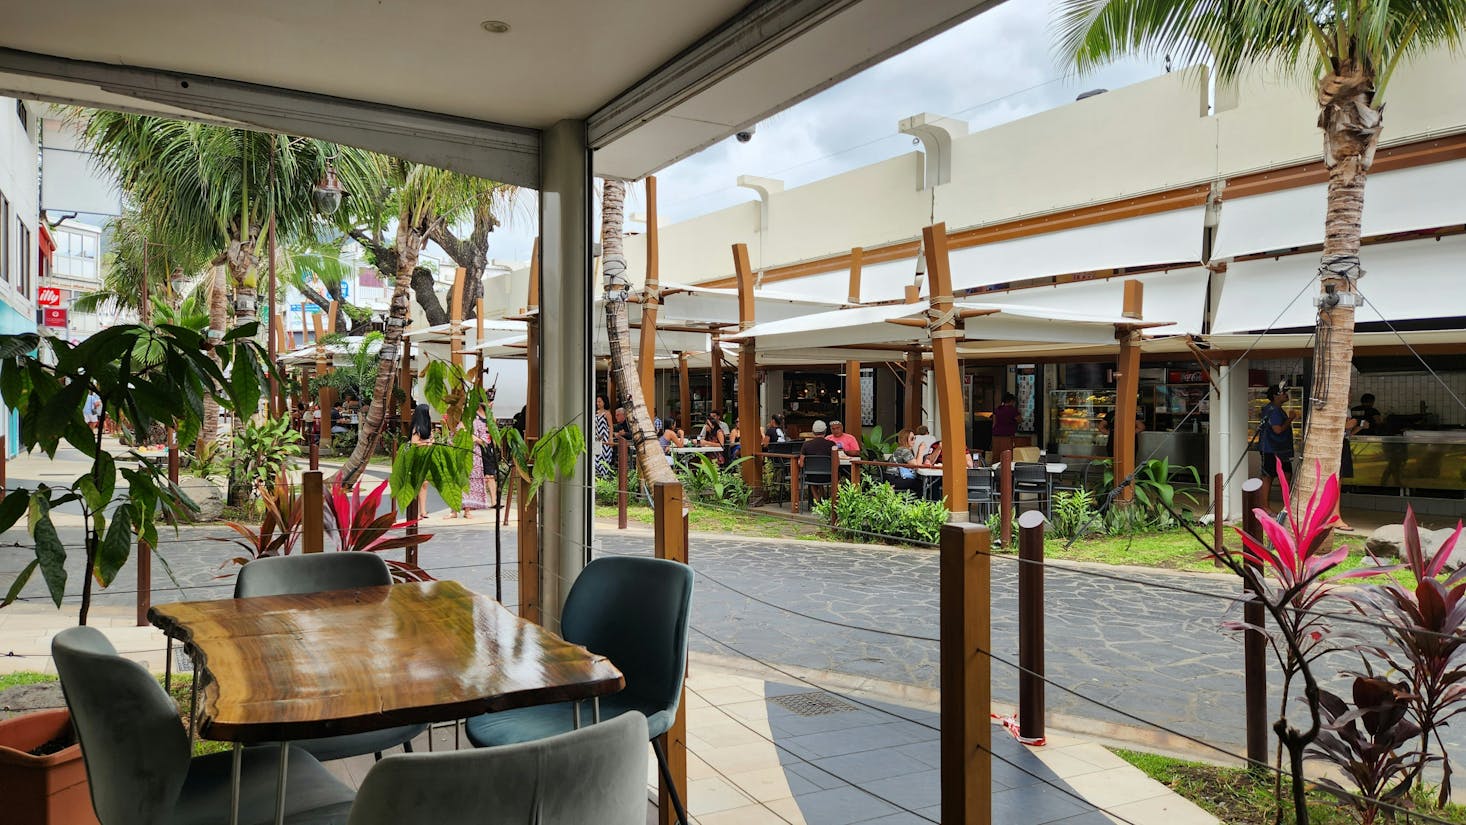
(1173, 407)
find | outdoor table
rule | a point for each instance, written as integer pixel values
(279, 668)
(690, 451)
(929, 476)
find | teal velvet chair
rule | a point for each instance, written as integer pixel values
(137, 752)
(634, 611)
(592, 776)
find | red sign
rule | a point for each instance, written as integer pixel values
(53, 317)
(49, 296)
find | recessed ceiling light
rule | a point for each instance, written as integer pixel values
(495, 26)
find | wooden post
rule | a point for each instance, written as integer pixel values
(313, 528)
(716, 378)
(412, 516)
(331, 317)
(684, 386)
(1005, 497)
(966, 680)
(947, 372)
(748, 412)
(172, 455)
(915, 378)
(404, 382)
(324, 396)
(794, 485)
(1127, 390)
(671, 543)
(620, 483)
(1254, 646)
(272, 335)
(529, 552)
(1031, 625)
(144, 581)
(478, 340)
(853, 415)
(532, 357)
(856, 255)
(455, 319)
(651, 297)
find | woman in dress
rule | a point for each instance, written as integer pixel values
(605, 457)
(482, 481)
(421, 433)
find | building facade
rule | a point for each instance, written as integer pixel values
(20, 229)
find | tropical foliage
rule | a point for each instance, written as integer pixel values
(706, 481)
(875, 445)
(354, 525)
(279, 530)
(874, 507)
(260, 453)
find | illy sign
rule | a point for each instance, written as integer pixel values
(49, 296)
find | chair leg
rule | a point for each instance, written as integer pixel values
(407, 746)
(378, 756)
(667, 781)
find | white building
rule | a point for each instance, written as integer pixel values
(20, 229)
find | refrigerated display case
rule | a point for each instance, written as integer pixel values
(1075, 420)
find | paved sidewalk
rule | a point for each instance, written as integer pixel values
(770, 750)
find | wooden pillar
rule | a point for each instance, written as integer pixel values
(1127, 390)
(1254, 645)
(324, 396)
(717, 376)
(455, 319)
(856, 256)
(853, 415)
(1031, 625)
(947, 372)
(530, 592)
(684, 385)
(173, 457)
(966, 674)
(671, 543)
(312, 532)
(646, 361)
(915, 378)
(748, 412)
(144, 581)
(478, 340)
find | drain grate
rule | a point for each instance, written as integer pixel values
(816, 703)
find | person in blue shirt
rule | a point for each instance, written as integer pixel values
(1275, 441)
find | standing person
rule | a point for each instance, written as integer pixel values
(1276, 440)
(1352, 426)
(93, 411)
(483, 481)
(421, 434)
(1005, 425)
(1368, 416)
(1107, 428)
(605, 455)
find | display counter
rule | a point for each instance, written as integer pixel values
(1414, 460)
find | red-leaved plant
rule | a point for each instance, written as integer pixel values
(279, 530)
(1424, 627)
(1367, 742)
(353, 525)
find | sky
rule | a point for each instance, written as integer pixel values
(993, 69)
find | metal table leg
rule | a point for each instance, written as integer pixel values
(280, 784)
(595, 710)
(234, 795)
(575, 708)
(168, 665)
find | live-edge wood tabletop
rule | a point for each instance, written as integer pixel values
(347, 661)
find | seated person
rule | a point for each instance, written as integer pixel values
(774, 433)
(847, 443)
(817, 445)
(671, 437)
(905, 478)
(338, 419)
(711, 434)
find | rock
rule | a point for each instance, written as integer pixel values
(206, 493)
(1389, 541)
(25, 698)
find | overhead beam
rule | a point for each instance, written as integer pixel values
(491, 150)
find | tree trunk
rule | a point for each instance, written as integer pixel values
(1351, 126)
(424, 289)
(649, 455)
(242, 279)
(218, 322)
(409, 246)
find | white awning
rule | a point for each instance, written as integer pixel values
(1421, 197)
(1150, 240)
(707, 305)
(1405, 280)
(843, 327)
(1178, 295)
(1034, 324)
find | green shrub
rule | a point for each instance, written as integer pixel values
(707, 482)
(1075, 514)
(876, 507)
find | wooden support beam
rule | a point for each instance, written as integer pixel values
(915, 379)
(748, 412)
(478, 340)
(331, 318)
(907, 322)
(913, 293)
(455, 319)
(312, 532)
(670, 542)
(856, 255)
(948, 373)
(646, 358)
(1127, 390)
(717, 376)
(853, 416)
(966, 674)
(325, 397)
(684, 392)
(529, 551)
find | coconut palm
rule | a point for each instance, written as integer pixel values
(1351, 50)
(651, 460)
(140, 263)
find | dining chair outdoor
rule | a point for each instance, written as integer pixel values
(981, 490)
(137, 753)
(312, 573)
(633, 611)
(592, 776)
(816, 472)
(1031, 482)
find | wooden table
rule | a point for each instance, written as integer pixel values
(277, 668)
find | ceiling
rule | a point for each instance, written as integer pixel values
(655, 80)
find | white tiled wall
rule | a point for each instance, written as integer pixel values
(1403, 394)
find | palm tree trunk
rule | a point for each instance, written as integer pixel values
(1351, 128)
(409, 248)
(218, 321)
(649, 455)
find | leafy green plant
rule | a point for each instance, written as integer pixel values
(146, 376)
(358, 378)
(704, 480)
(875, 445)
(1154, 489)
(877, 507)
(279, 530)
(209, 458)
(259, 453)
(1075, 514)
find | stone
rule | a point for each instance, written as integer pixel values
(25, 698)
(207, 493)
(1389, 541)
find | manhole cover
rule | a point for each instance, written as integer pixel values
(817, 703)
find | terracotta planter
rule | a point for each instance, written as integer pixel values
(42, 790)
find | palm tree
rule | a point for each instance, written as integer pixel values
(490, 200)
(140, 261)
(1351, 50)
(651, 460)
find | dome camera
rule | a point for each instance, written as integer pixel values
(745, 135)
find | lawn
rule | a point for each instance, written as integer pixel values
(719, 520)
(180, 693)
(1239, 797)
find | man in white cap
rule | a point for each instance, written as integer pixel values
(818, 445)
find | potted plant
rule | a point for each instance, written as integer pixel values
(146, 377)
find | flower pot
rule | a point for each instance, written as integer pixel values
(42, 790)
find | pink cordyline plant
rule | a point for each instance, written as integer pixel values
(354, 525)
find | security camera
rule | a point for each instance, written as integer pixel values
(745, 135)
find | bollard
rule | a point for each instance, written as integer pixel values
(671, 543)
(144, 582)
(1254, 646)
(528, 531)
(1005, 499)
(313, 513)
(834, 483)
(620, 483)
(966, 680)
(315, 459)
(1031, 627)
(173, 456)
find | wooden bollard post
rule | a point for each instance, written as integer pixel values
(1031, 625)
(834, 483)
(173, 455)
(315, 439)
(966, 680)
(1005, 499)
(671, 543)
(529, 552)
(144, 582)
(1254, 646)
(412, 516)
(620, 483)
(313, 513)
